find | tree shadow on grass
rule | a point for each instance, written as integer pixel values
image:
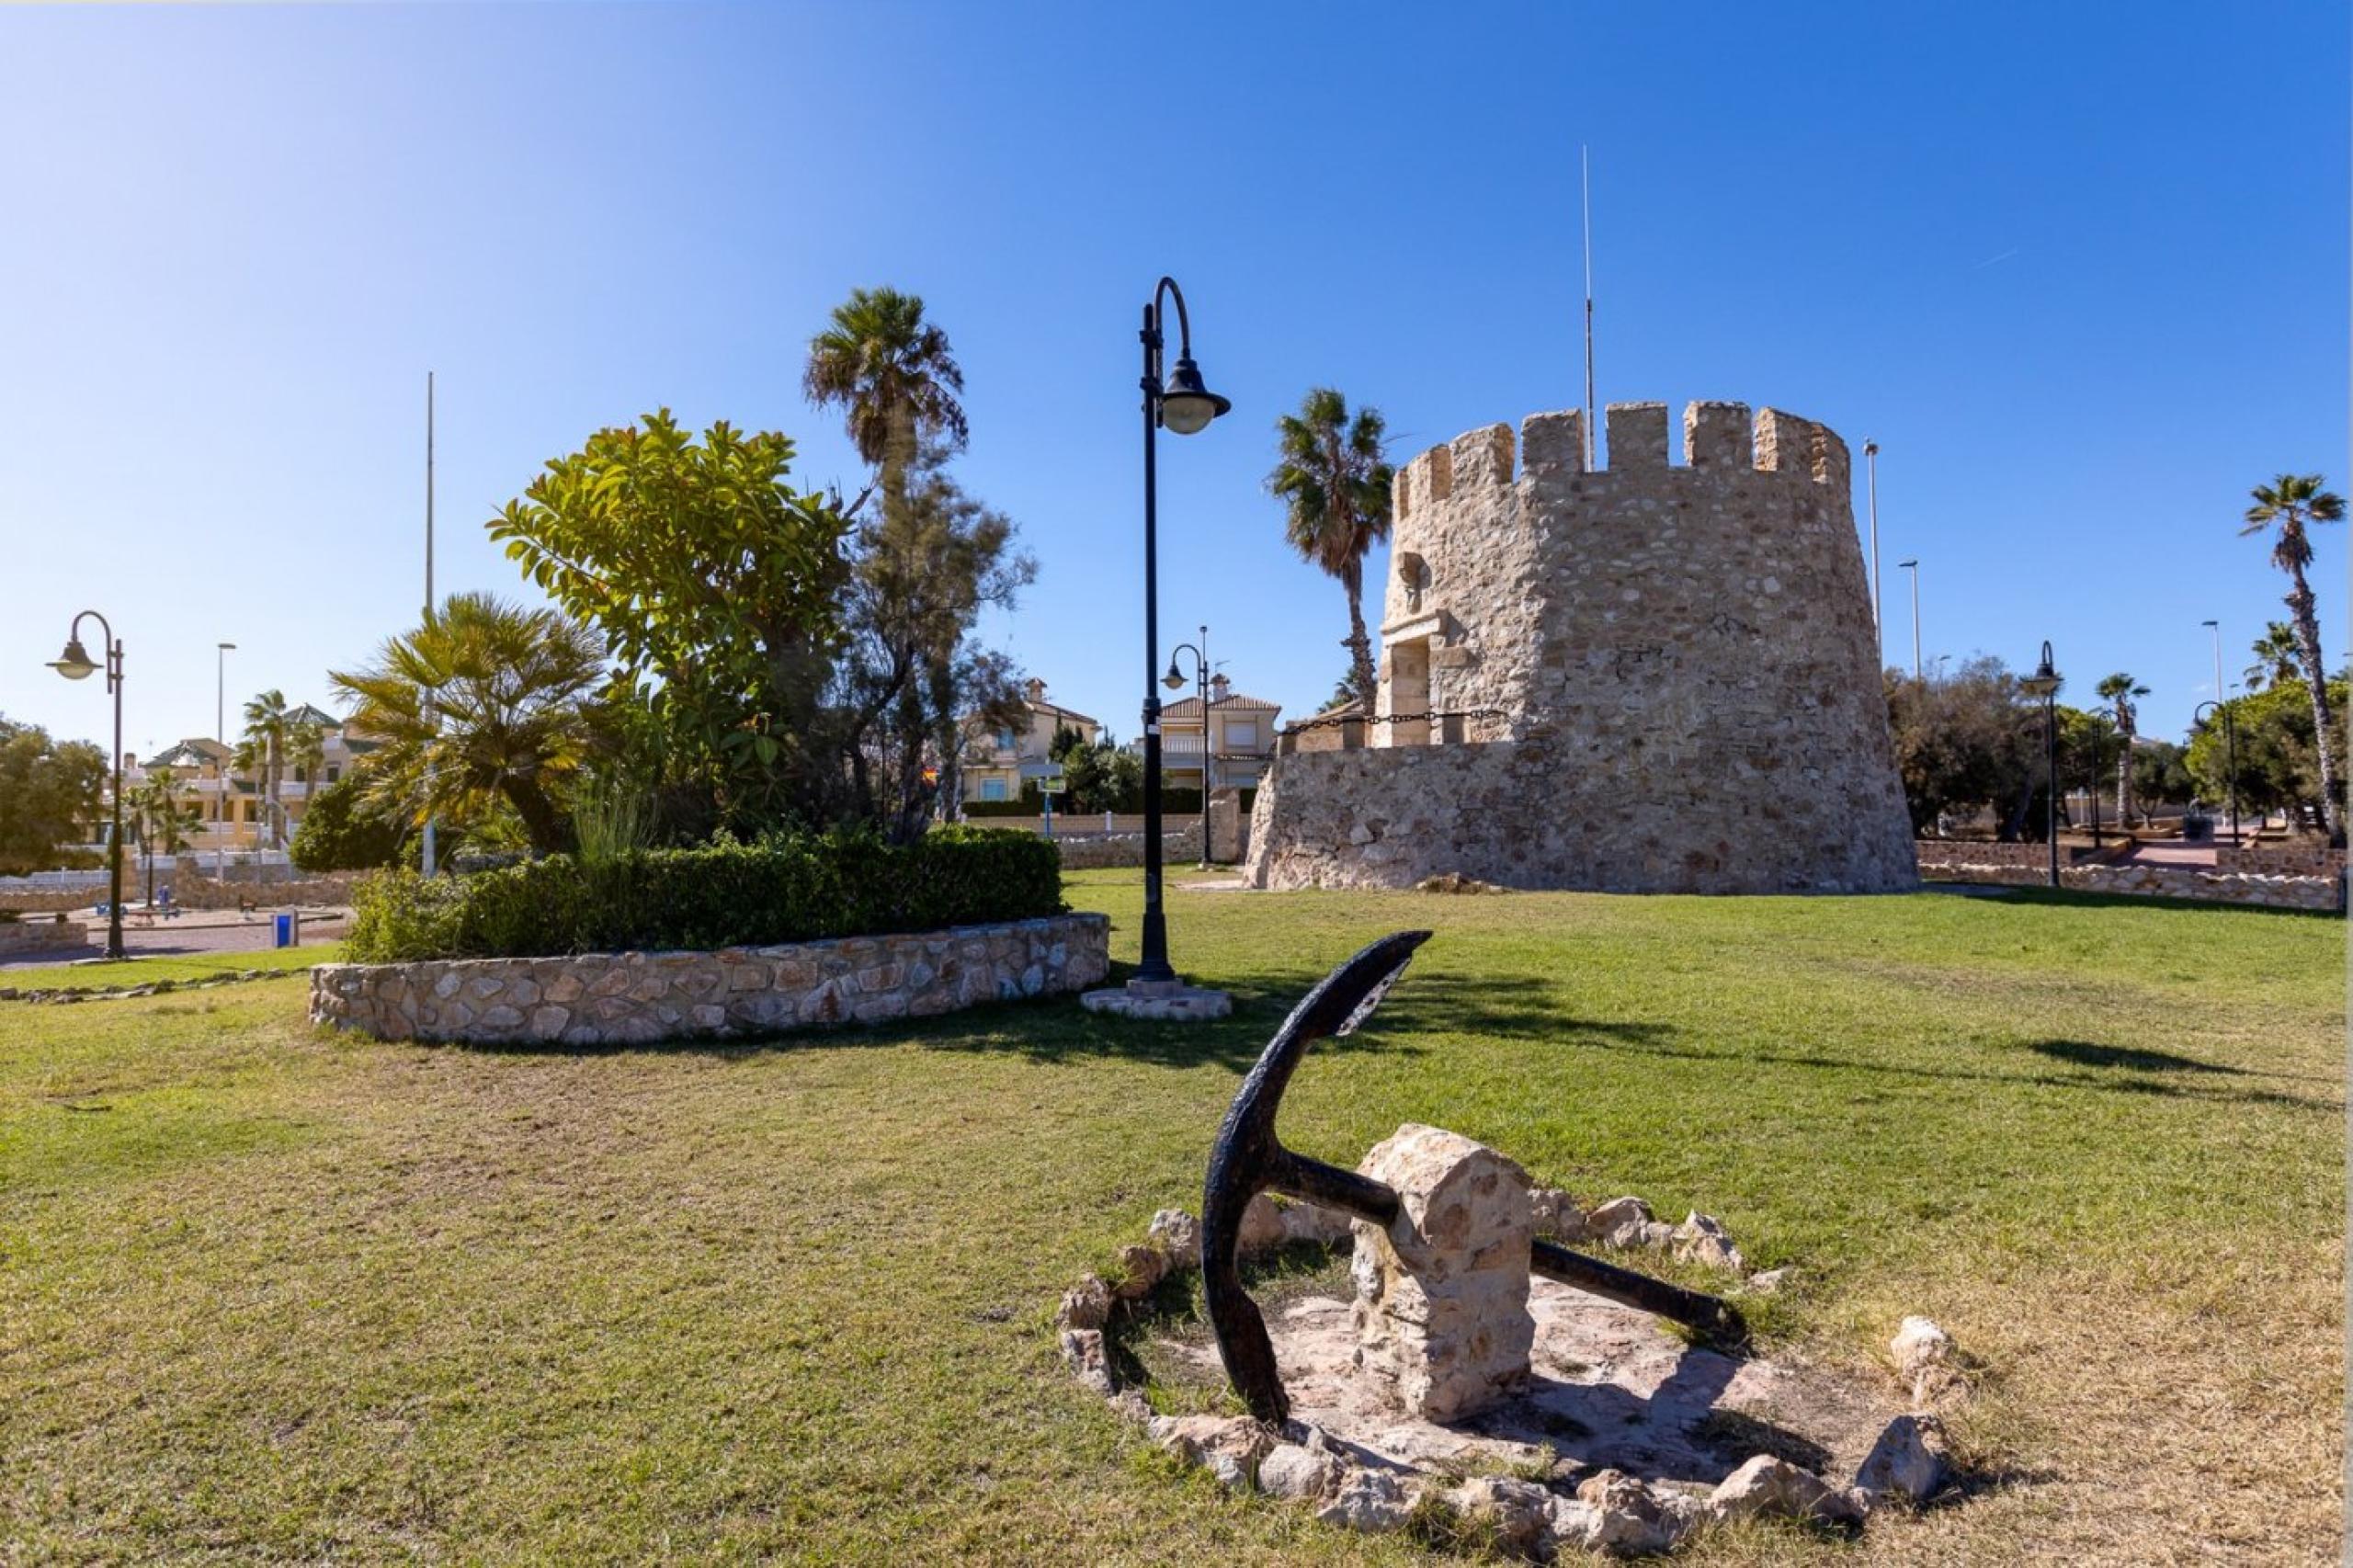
(2084, 1053)
(2101, 1080)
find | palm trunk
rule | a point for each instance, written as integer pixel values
(1359, 643)
(542, 822)
(2307, 618)
(2124, 771)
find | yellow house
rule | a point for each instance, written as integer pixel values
(229, 802)
(1231, 742)
(998, 759)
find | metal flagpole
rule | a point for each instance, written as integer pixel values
(429, 858)
(1584, 162)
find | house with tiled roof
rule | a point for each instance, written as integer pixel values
(999, 760)
(1229, 739)
(228, 801)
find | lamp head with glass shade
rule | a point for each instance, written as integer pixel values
(1174, 681)
(1187, 405)
(75, 662)
(2044, 681)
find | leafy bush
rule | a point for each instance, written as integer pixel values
(339, 833)
(724, 895)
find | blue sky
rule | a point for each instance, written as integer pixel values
(2082, 271)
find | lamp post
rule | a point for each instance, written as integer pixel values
(1870, 468)
(2229, 756)
(2216, 628)
(1185, 406)
(75, 663)
(1175, 681)
(2044, 682)
(220, 733)
(1913, 567)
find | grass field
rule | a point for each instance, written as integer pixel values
(268, 1294)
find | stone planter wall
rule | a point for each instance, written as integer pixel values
(41, 936)
(630, 999)
(2312, 859)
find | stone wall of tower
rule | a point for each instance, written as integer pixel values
(1656, 677)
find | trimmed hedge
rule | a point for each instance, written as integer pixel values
(719, 897)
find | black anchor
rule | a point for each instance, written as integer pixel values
(1248, 1159)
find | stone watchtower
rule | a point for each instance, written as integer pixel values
(1654, 678)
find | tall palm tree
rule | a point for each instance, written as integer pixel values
(1333, 478)
(2286, 508)
(512, 709)
(268, 722)
(2275, 658)
(2121, 689)
(893, 374)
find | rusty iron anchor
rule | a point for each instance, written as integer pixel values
(1248, 1159)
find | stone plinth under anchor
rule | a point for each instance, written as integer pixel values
(1166, 999)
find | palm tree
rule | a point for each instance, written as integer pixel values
(161, 820)
(2291, 504)
(893, 375)
(1333, 478)
(512, 708)
(2275, 658)
(269, 722)
(2121, 689)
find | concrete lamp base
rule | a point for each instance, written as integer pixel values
(1158, 999)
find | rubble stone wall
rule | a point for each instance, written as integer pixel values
(1092, 852)
(41, 936)
(1653, 678)
(630, 999)
(2323, 894)
(2280, 859)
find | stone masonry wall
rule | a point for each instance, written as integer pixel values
(1649, 678)
(2322, 894)
(630, 999)
(41, 936)
(1092, 852)
(2312, 858)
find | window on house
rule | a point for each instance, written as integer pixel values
(1005, 738)
(334, 771)
(1242, 737)
(992, 788)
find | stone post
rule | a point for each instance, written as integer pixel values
(1441, 1310)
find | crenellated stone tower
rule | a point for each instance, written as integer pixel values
(1654, 678)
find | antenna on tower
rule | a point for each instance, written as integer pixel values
(1585, 163)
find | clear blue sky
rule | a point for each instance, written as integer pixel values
(2082, 271)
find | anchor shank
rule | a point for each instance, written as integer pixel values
(1296, 1176)
(1689, 1308)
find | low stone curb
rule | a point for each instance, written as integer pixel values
(55, 994)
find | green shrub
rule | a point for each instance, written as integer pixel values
(339, 833)
(724, 895)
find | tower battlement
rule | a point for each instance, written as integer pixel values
(1657, 674)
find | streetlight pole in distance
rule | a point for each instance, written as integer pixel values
(1184, 405)
(1175, 681)
(75, 663)
(2044, 682)
(1912, 566)
(2230, 757)
(426, 856)
(2216, 628)
(220, 733)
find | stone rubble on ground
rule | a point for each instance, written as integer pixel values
(1908, 1461)
(1558, 1216)
(1087, 1305)
(1368, 1500)
(1083, 1348)
(1769, 1485)
(1178, 1234)
(1927, 1362)
(1701, 1238)
(1141, 1268)
(1298, 1473)
(1767, 1282)
(1228, 1447)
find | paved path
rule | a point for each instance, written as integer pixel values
(210, 931)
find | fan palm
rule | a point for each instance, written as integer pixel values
(2286, 509)
(512, 707)
(893, 374)
(1335, 481)
(2121, 689)
(268, 722)
(2275, 658)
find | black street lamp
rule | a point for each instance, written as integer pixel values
(1185, 405)
(75, 663)
(1175, 681)
(2229, 756)
(2044, 682)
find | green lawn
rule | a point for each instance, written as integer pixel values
(178, 968)
(268, 1294)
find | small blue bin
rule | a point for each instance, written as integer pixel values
(285, 932)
